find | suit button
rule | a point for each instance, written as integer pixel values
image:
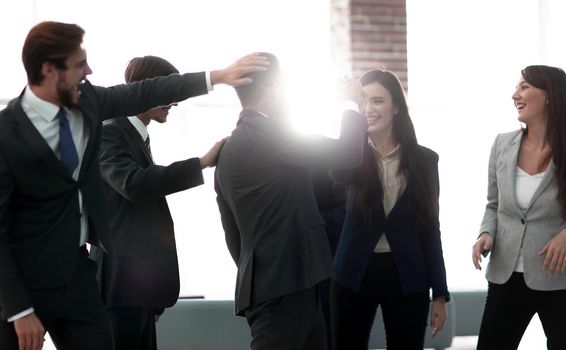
(522, 221)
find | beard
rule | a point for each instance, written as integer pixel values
(65, 95)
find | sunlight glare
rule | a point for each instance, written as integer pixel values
(313, 102)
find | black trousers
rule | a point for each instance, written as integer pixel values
(291, 322)
(133, 328)
(509, 308)
(74, 315)
(352, 313)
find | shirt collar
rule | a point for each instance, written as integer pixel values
(46, 110)
(140, 127)
(394, 154)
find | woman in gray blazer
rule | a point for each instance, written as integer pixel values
(524, 223)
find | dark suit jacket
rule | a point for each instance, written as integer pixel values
(331, 201)
(417, 251)
(39, 208)
(273, 228)
(140, 269)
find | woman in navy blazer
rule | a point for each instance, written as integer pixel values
(390, 253)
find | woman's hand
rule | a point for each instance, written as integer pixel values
(482, 245)
(437, 315)
(555, 254)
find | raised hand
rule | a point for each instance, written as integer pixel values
(234, 75)
(350, 89)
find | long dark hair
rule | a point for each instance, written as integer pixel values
(553, 81)
(422, 186)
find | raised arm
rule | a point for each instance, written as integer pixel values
(124, 174)
(138, 97)
(318, 152)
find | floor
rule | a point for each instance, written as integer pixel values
(533, 339)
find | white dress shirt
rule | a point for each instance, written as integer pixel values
(140, 127)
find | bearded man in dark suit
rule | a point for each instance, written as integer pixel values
(51, 201)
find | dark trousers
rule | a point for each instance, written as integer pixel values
(325, 304)
(133, 328)
(334, 219)
(74, 315)
(353, 313)
(509, 308)
(291, 322)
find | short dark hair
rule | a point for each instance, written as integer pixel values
(261, 80)
(50, 42)
(146, 67)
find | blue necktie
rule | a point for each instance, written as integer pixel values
(69, 155)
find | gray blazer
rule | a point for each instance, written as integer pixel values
(503, 219)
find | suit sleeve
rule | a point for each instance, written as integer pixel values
(138, 97)
(127, 177)
(433, 244)
(231, 232)
(489, 222)
(318, 152)
(14, 296)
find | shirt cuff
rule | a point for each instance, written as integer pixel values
(208, 82)
(349, 104)
(21, 314)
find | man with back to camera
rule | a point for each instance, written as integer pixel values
(51, 200)
(140, 273)
(273, 228)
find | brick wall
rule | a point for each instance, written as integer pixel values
(370, 34)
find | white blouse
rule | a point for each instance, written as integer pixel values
(525, 187)
(393, 187)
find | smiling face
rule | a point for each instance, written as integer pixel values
(530, 102)
(68, 79)
(379, 108)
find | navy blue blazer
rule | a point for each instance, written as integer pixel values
(416, 248)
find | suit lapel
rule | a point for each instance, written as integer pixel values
(511, 153)
(90, 130)
(135, 138)
(546, 180)
(35, 141)
(397, 206)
